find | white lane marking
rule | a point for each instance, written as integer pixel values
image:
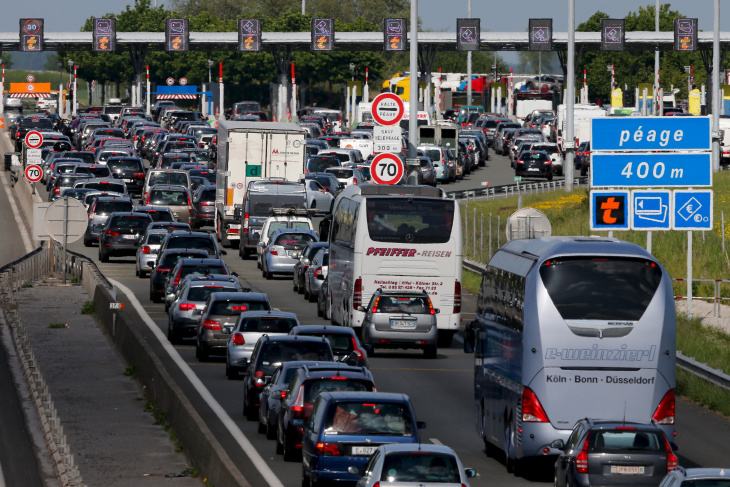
(436, 442)
(18, 220)
(266, 472)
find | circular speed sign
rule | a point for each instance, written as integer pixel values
(33, 173)
(387, 168)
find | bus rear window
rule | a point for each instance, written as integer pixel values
(601, 288)
(410, 221)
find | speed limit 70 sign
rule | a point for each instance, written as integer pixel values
(387, 168)
(33, 173)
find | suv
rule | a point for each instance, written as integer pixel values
(191, 295)
(697, 477)
(395, 319)
(177, 198)
(306, 385)
(608, 452)
(122, 234)
(188, 239)
(99, 211)
(130, 170)
(347, 176)
(220, 316)
(442, 164)
(250, 326)
(186, 267)
(269, 352)
(174, 177)
(282, 218)
(347, 427)
(165, 261)
(147, 250)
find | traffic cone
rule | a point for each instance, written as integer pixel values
(288, 113)
(216, 112)
(274, 116)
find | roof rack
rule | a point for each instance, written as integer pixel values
(293, 211)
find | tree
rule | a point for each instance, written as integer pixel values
(7, 60)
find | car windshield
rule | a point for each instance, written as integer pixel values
(420, 467)
(357, 418)
(410, 220)
(313, 388)
(289, 351)
(236, 307)
(201, 293)
(268, 324)
(625, 439)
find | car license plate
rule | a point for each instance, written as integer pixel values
(128, 180)
(533, 169)
(403, 323)
(129, 237)
(363, 450)
(626, 470)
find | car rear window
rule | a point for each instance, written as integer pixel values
(107, 207)
(125, 165)
(129, 223)
(156, 238)
(314, 387)
(168, 197)
(202, 269)
(402, 304)
(236, 307)
(208, 195)
(420, 467)
(277, 352)
(359, 418)
(160, 216)
(100, 171)
(201, 293)
(291, 239)
(105, 186)
(625, 439)
(192, 242)
(170, 259)
(319, 164)
(268, 324)
(341, 173)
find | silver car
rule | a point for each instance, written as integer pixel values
(182, 321)
(249, 327)
(147, 251)
(315, 274)
(396, 319)
(284, 250)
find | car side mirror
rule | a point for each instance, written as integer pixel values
(363, 309)
(234, 274)
(223, 252)
(352, 470)
(437, 311)
(421, 425)
(470, 472)
(309, 425)
(557, 444)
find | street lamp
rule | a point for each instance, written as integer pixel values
(210, 65)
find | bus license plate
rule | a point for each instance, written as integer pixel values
(363, 450)
(626, 470)
(403, 323)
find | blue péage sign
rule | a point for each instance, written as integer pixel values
(650, 133)
(644, 170)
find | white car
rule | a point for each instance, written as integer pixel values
(347, 176)
(555, 155)
(282, 218)
(318, 198)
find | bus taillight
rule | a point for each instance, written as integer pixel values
(357, 294)
(457, 297)
(664, 413)
(532, 411)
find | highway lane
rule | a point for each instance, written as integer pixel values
(441, 390)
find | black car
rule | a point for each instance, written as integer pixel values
(165, 262)
(301, 266)
(270, 351)
(130, 170)
(122, 234)
(188, 239)
(534, 164)
(320, 162)
(185, 267)
(203, 207)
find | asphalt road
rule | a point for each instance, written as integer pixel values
(441, 390)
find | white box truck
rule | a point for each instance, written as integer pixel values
(581, 129)
(248, 151)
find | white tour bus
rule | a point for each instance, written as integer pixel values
(568, 328)
(395, 238)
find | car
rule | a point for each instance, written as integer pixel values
(285, 247)
(318, 197)
(603, 452)
(170, 177)
(185, 267)
(443, 165)
(281, 218)
(347, 176)
(157, 213)
(397, 319)
(428, 172)
(534, 164)
(189, 239)
(427, 465)
(315, 274)
(219, 317)
(121, 234)
(327, 180)
(697, 477)
(203, 206)
(147, 250)
(343, 340)
(553, 151)
(163, 265)
(320, 162)
(103, 184)
(323, 305)
(306, 385)
(301, 265)
(64, 181)
(269, 352)
(347, 427)
(130, 170)
(168, 226)
(76, 193)
(182, 321)
(249, 327)
(177, 198)
(584, 148)
(99, 210)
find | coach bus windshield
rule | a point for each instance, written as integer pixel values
(587, 288)
(410, 220)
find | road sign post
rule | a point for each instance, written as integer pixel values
(387, 169)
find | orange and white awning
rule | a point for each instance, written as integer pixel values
(176, 96)
(31, 95)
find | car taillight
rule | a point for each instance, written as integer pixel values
(375, 305)
(317, 272)
(112, 234)
(520, 162)
(581, 461)
(177, 280)
(56, 190)
(672, 461)
(548, 162)
(354, 181)
(358, 352)
(259, 378)
(207, 203)
(245, 222)
(187, 306)
(532, 411)
(457, 297)
(357, 294)
(273, 252)
(146, 249)
(238, 339)
(138, 175)
(328, 449)
(212, 325)
(664, 413)
(430, 306)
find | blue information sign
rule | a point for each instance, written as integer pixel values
(610, 210)
(650, 133)
(644, 170)
(651, 210)
(692, 210)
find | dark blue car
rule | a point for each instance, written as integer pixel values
(347, 427)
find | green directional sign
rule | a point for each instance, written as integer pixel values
(518, 179)
(253, 171)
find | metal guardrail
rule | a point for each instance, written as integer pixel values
(505, 190)
(715, 376)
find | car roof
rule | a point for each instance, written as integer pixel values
(289, 338)
(335, 330)
(422, 447)
(164, 209)
(207, 261)
(197, 280)
(292, 230)
(701, 472)
(269, 313)
(168, 187)
(364, 396)
(113, 198)
(185, 233)
(239, 295)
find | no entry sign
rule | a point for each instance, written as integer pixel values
(33, 139)
(387, 168)
(388, 109)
